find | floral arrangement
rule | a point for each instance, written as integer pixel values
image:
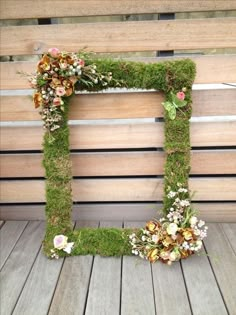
(55, 79)
(176, 236)
(60, 242)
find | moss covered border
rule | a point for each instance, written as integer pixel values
(167, 76)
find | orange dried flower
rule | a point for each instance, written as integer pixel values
(153, 255)
(38, 100)
(44, 64)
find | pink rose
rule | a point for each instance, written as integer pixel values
(54, 52)
(81, 62)
(60, 91)
(180, 96)
(57, 101)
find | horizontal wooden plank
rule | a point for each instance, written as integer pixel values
(138, 189)
(207, 67)
(121, 105)
(120, 163)
(90, 106)
(211, 212)
(120, 36)
(120, 136)
(22, 10)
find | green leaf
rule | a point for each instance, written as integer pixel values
(167, 105)
(182, 104)
(172, 113)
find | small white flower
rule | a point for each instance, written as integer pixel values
(184, 203)
(193, 221)
(155, 238)
(171, 194)
(172, 228)
(143, 238)
(68, 247)
(201, 223)
(197, 232)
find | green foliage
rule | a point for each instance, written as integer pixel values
(169, 77)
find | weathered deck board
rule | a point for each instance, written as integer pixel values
(137, 289)
(19, 264)
(31, 284)
(71, 291)
(104, 289)
(169, 285)
(204, 294)
(41, 283)
(223, 261)
(9, 236)
(230, 231)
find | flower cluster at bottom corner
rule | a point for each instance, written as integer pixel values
(176, 236)
(60, 242)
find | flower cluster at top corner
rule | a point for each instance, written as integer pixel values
(176, 236)
(57, 73)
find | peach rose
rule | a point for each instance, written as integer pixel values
(57, 101)
(60, 91)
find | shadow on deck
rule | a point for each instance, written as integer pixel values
(34, 285)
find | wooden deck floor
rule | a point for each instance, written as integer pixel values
(34, 285)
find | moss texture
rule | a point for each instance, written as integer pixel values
(169, 76)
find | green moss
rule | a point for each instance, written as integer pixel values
(169, 76)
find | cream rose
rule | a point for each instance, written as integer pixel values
(60, 241)
(174, 256)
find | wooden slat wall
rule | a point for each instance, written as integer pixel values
(123, 105)
(120, 136)
(15, 9)
(139, 189)
(120, 36)
(120, 164)
(22, 171)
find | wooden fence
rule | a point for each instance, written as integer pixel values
(118, 171)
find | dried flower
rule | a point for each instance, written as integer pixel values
(175, 236)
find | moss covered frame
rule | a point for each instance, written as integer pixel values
(168, 77)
